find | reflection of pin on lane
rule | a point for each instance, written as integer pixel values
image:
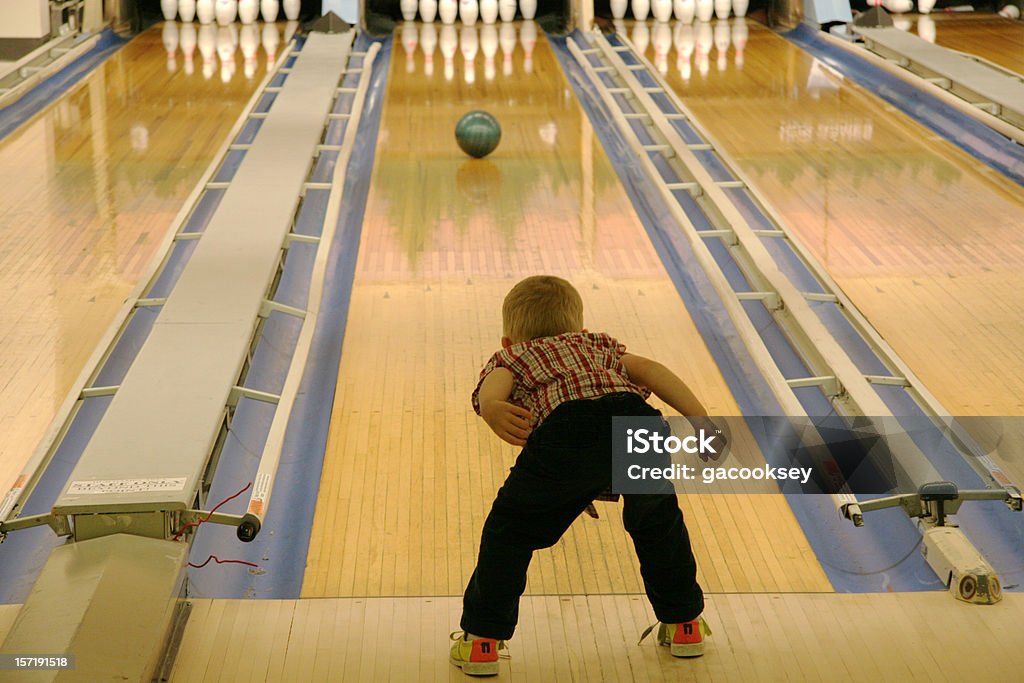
(739, 39)
(449, 44)
(469, 45)
(507, 39)
(641, 37)
(249, 42)
(683, 40)
(188, 46)
(662, 40)
(169, 35)
(528, 39)
(489, 46)
(926, 28)
(208, 48)
(271, 39)
(428, 41)
(722, 33)
(410, 38)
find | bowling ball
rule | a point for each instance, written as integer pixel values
(478, 133)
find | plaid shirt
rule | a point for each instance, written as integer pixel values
(552, 370)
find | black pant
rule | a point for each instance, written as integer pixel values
(566, 462)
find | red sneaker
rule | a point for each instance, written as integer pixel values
(683, 640)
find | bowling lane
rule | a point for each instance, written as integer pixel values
(88, 188)
(410, 471)
(924, 239)
(995, 38)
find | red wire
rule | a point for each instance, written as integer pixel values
(220, 561)
(207, 518)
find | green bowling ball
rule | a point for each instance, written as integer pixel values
(478, 133)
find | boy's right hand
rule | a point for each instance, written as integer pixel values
(510, 422)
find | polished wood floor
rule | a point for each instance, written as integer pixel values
(111, 163)
(990, 36)
(410, 471)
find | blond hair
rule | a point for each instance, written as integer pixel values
(541, 306)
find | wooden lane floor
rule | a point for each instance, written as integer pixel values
(990, 36)
(924, 239)
(762, 637)
(88, 188)
(410, 471)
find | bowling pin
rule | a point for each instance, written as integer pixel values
(722, 38)
(169, 9)
(226, 11)
(271, 39)
(469, 45)
(898, 6)
(187, 10)
(249, 42)
(428, 41)
(661, 9)
(661, 38)
(640, 9)
(619, 8)
(740, 7)
(269, 9)
(448, 9)
(410, 38)
(926, 6)
(449, 44)
(208, 48)
(641, 37)
(248, 11)
(739, 39)
(469, 10)
(683, 10)
(292, 9)
(926, 28)
(507, 41)
(683, 40)
(507, 10)
(1010, 12)
(488, 12)
(528, 39)
(705, 8)
(205, 11)
(408, 9)
(188, 46)
(169, 35)
(489, 46)
(428, 12)
(529, 10)
(722, 8)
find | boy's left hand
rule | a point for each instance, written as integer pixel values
(510, 422)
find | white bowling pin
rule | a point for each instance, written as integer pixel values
(269, 10)
(507, 40)
(292, 9)
(489, 46)
(926, 6)
(428, 41)
(722, 37)
(248, 11)
(619, 8)
(528, 39)
(739, 39)
(169, 35)
(641, 37)
(469, 10)
(226, 11)
(428, 11)
(898, 6)
(449, 44)
(661, 9)
(448, 9)
(188, 46)
(187, 10)
(683, 10)
(926, 28)
(683, 40)
(661, 38)
(169, 9)
(208, 48)
(410, 38)
(640, 9)
(469, 45)
(705, 8)
(507, 10)
(271, 39)
(740, 7)
(1008, 11)
(722, 8)
(408, 9)
(249, 42)
(488, 12)
(528, 9)
(205, 11)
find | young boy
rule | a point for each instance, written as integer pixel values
(553, 389)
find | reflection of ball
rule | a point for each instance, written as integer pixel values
(478, 133)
